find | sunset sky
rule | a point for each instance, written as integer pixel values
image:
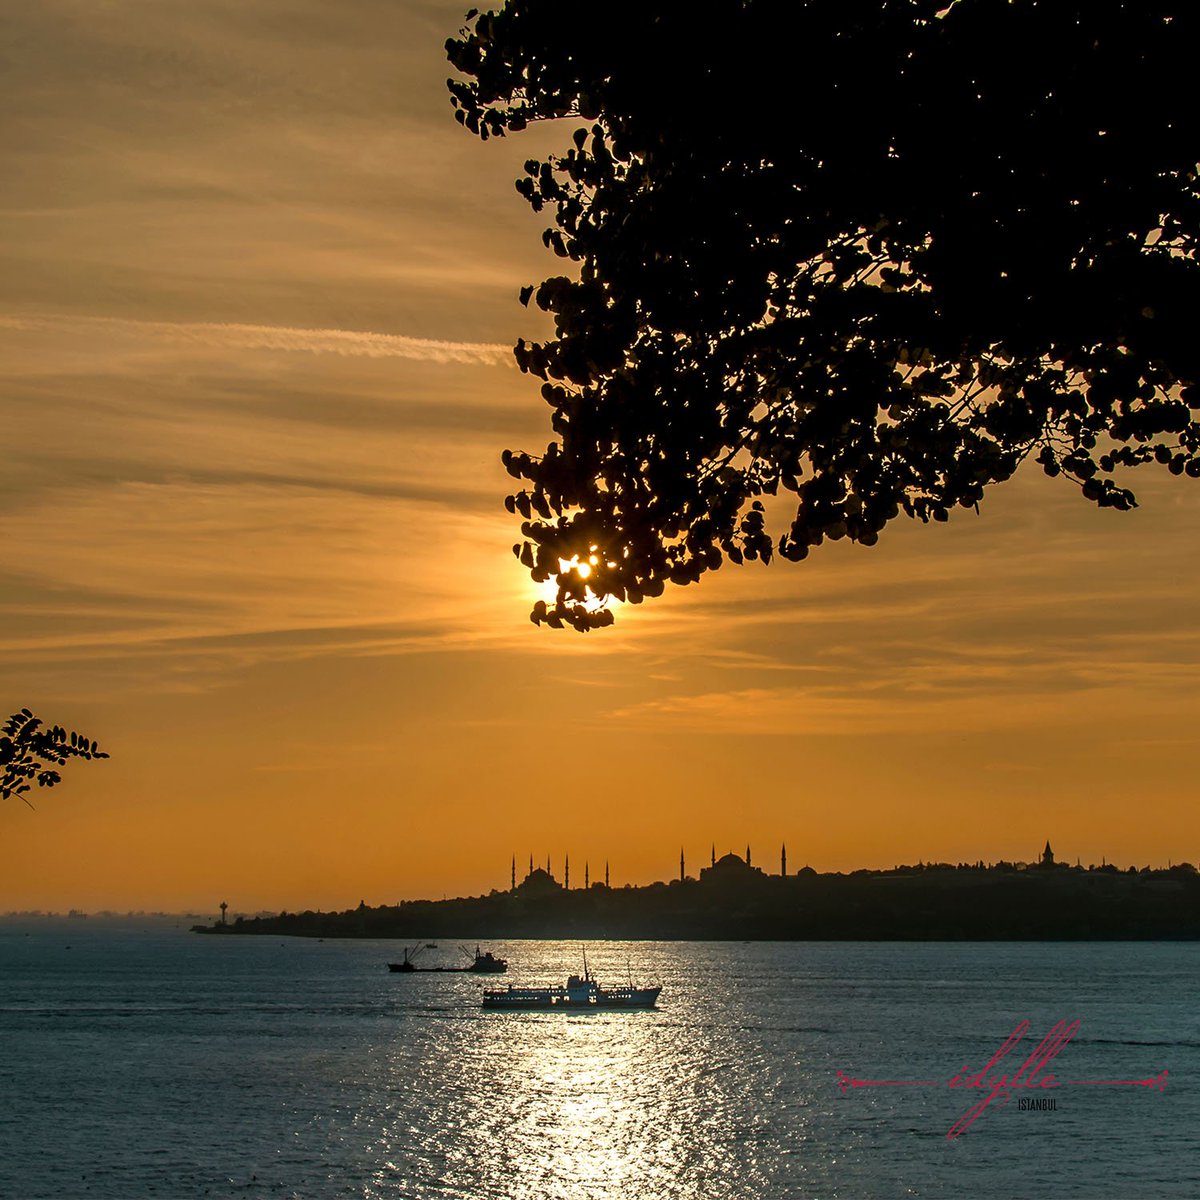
(256, 312)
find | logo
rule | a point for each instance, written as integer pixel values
(1033, 1082)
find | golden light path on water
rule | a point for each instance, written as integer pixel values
(605, 1104)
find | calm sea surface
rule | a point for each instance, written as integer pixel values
(142, 1061)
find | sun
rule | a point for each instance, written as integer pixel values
(548, 591)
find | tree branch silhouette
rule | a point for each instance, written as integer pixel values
(31, 752)
(874, 255)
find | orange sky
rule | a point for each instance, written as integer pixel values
(255, 314)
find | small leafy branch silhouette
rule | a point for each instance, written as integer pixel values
(30, 751)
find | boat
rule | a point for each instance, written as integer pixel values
(482, 963)
(580, 993)
(487, 964)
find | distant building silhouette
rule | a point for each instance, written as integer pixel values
(728, 870)
(539, 883)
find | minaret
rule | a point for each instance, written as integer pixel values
(567, 872)
(681, 875)
(714, 854)
(606, 872)
(531, 864)
(783, 860)
(747, 854)
(547, 864)
(586, 882)
(514, 873)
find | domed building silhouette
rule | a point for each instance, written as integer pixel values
(537, 883)
(731, 869)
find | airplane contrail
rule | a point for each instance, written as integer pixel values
(349, 342)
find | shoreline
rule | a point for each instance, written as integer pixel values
(919, 904)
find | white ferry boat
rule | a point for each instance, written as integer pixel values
(580, 992)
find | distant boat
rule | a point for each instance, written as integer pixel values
(482, 963)
(581, 993)
(487, 964)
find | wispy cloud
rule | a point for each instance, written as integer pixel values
(345, 342)
(155, 563)
(912, 710)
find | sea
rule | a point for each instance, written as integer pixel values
(138, 1059)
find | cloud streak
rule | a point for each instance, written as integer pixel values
(1028, 700)
(350, 343)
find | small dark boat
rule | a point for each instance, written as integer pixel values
(487, 964)
(482, 963)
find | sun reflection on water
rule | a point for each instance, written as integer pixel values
(573, 1104)
(603, 1104)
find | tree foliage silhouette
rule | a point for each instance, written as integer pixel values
(30, 752)
(872, 254)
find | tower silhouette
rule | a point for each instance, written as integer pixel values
(783, 860)
(681, 875)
